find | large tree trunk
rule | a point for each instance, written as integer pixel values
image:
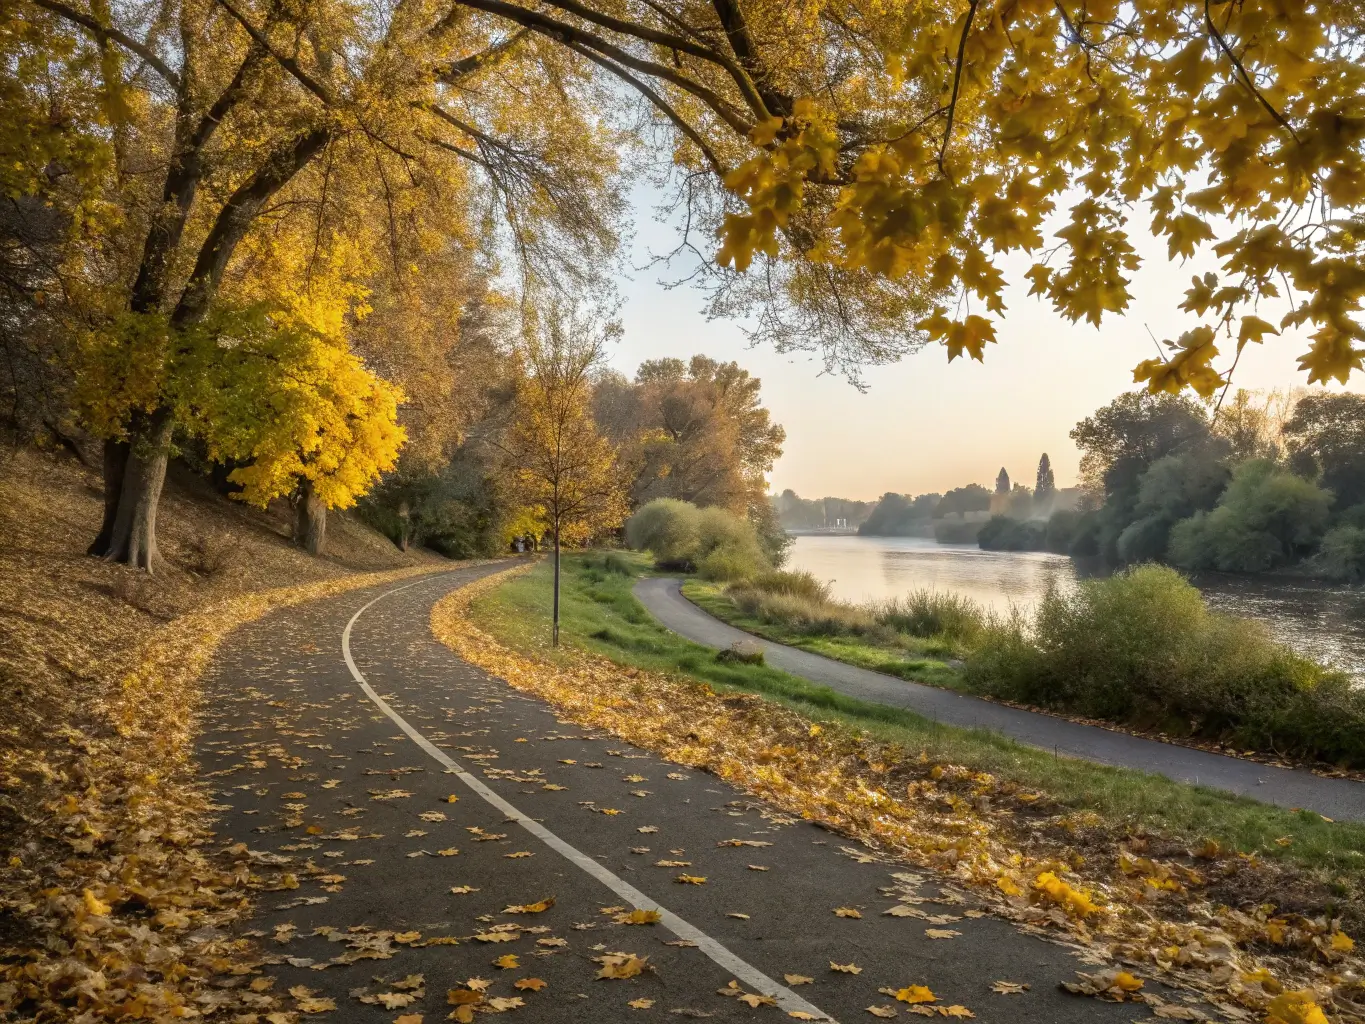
(310, 519)
(133, 536)
(115, 464)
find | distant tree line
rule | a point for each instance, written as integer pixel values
(1267, 482)
(797, 513)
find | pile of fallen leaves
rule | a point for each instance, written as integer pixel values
(109, 906)
(1151, 914)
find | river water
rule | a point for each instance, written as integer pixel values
(1322, 621)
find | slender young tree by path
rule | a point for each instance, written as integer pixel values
(563, 470)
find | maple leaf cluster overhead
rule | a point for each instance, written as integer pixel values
(1238, 123)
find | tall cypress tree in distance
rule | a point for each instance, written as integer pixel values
(1046, 486)
(1002, 482)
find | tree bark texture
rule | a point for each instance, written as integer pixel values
(115, 464)
(310, 520)
(132, 538)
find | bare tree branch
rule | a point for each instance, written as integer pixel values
(673, 42)
(957, 82)
(566, 33)
(659, 102)
(288, 63)
(107, 32)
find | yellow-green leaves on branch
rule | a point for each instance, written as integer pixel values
(773, 183)
(1241, 126)
(970, 335)
(1188, 366)
(291, 403)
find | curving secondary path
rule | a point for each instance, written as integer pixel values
(1342, 799)
(337, 734)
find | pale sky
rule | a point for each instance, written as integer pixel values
(924, 425)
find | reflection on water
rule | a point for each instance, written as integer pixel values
(1323, 621)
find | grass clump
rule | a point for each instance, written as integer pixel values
(796, 607)
(1142, 647)
(932, 613)
(742, 653)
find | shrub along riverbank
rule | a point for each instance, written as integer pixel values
(601, 615)
(1140, 649)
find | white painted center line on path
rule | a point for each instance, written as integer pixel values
(741, 969)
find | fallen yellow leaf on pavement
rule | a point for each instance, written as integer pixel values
(538, 907)
(847, 912)
(845, 968)
(640, 1004)
(617, 966)
(797, 979)
(529, 984)
(95, 906)
(911, 994)
(691, 879)
(507, 961)
(638, 917)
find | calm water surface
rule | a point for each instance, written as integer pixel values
(1323, 621)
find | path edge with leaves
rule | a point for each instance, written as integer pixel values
(1245, 979)
(123, 832)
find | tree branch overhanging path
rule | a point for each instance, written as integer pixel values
(862, 175)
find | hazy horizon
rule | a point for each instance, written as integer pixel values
(1043, 376)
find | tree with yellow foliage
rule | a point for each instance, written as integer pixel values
(866, 165)
(236, 145)
(564, 472)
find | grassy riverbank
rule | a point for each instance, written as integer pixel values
(601, 615)
(1140, 649)
(833, 630)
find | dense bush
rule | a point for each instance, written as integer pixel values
(1056, 534)
(1266, 518)
(1341, 556)
(1005, 534)
(1142, 647)
(951, 531)
(1061, 531)
(928, 613)
(667, 529)
(711, 541)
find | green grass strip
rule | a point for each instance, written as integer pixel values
(600, 614)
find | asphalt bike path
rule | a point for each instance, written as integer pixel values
(341, 774)
(1341, 799)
